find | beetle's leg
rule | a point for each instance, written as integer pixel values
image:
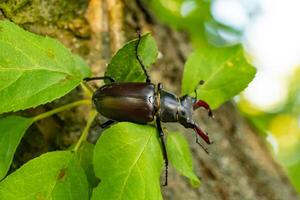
(107, 123)
(162, 139)
(148, 80)
(100, 78)
(104, 125)
(164, 150)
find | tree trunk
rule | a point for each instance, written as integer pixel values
(240, 165)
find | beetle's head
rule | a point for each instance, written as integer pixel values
(188, 105)
(185, 112)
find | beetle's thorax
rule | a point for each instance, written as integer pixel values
(174, 109)
(168, 106)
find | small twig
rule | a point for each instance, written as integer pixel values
(60, 109)
(84, 135)
(86, 89)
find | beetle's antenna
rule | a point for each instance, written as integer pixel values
(201, 82)
(205, 149)
(196, 95)
(148, 80)
(201, 103)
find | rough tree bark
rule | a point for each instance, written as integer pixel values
(240, 166)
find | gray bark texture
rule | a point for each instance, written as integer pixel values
(240, 166)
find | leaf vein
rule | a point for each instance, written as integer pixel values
(132, 166)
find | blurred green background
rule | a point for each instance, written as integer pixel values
(269, 32)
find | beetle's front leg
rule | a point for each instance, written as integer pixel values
(99, 78)
(107, 123)
(164, 150)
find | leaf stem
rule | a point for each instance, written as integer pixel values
(87, 90)
(60, 109)
(84, 135)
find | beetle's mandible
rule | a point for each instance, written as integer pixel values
(144, 102)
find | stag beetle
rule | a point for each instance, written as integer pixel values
(145, 102)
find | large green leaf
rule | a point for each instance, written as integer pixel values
(124, 67)
(224, 70)
(128, 160)
(12, 129)
(34, 69)
(180, 157)
(85, 157)
(55, 175)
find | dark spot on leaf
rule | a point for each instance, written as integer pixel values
(40, 196)
(51, 53)
(68, 77)
(62, 174)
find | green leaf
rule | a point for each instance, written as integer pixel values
(294, 174)
(54, 175)
(128, 160)
(12, 129)
(85, 157)
(81, 66)
(34, 69)
(180, 157)
(124, 67)
(224, 70)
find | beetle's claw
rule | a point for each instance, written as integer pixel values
(202, 134)
(205, 105)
